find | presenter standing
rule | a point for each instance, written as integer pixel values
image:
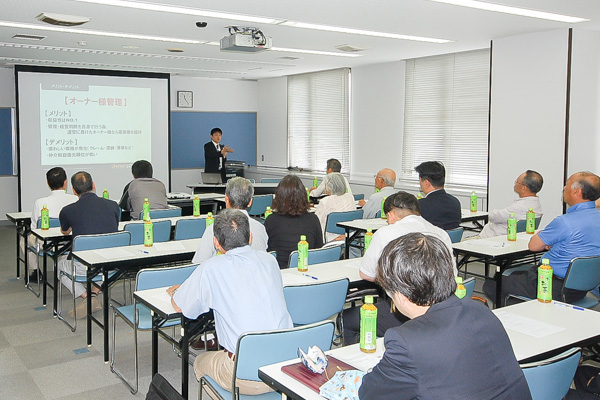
(215, 154)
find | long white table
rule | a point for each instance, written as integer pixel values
(536, 331)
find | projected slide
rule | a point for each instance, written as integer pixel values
(82, 124)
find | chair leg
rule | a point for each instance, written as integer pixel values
(133, 387)
(59, 309)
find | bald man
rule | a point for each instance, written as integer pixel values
(574, 234)
(384, 181)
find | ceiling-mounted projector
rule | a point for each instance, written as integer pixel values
(250, 40)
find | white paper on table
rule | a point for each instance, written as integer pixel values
(169, 246)
(293, 279)
(164, 296)
(487, 243)
(526, 325)
(363, 361)
(113, 253)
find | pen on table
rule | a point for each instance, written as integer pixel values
(143, 251)
(312, 277)
(568, 305)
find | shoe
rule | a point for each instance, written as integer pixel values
(33, 277)
(198, 344)
(81, 310)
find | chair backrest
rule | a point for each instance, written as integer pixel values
(273, 253)
(550, 379)
(270, 180)
(260, 204)
(161, 229)
(341, 216)
(166, 213)
(317, 256)
(102, 241)
(522, 224)
(53, 223)
(308, 304)
(456, 234)
(152, 278)
(469, 284)
(256, 349)
(360, 196)
(378, 214)
(190, 228)
(583, 274)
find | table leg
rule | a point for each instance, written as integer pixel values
(88, 288)
(347, 249)
(105, 312)
(154, 344)
(18, 230)
(498, 278)
(56, 283)
(185, 355)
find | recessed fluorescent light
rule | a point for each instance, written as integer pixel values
(183, 10)
(317, 52)
(353, 31)
(96, 33)
(481, 5)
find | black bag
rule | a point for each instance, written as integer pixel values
(161, 389)
(587, 383)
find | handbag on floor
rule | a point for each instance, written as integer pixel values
(587, 384)
(161, 389)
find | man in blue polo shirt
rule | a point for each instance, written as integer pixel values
(574, 234)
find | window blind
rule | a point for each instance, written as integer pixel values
(318, 119)
(446, 116)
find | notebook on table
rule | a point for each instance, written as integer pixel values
(314, 381)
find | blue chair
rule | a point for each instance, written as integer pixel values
(308, 304)
(455, 234)
(341, 216)
(550, 379)
(522, 224)
(82, 243)
(161, 229)
(317, 256)
(270, 180)
(190, 228)
(273, 253)
(469, 284)
(166, 213)
(138, 317)
(282, 345)
(378, 214)
(260, 204)
(360, 196)
(39, 252)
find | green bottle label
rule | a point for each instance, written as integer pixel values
(512, 229)
(544, 290)
(368, 238)
(268, 212)
(315, 182)
(461, 291)
(105, 194)
(196, 202)
(302, 255)
(146, 211)
(209, 220)
(473, 205)
(368, 329)
(308, 194)
(45, 224)
(530, 224)
(383, 216)
(148, 233)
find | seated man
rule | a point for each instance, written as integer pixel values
(402, 211)
(238, 195)
(438, 207)
(574, 234)
(90, 215)
(333, 165)
(451, 348)
(141, 187)
(527, 185)
(57, 182)
(244, 289)
(384, 181)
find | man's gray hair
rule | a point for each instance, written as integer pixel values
(336, 184)
(232, 229)
(240, 192)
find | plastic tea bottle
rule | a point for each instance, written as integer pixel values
(196, 206)
(146, 210)
(368, 237)
(303, 254)
(473, 203)
(315, 182)
(148, 233)
(512, 227)
(377, 190)
(45, 224)
(530, 222)
(105, 194)
(383, 216)
(209, 219)
(268, 212)
(368, 326)
(307, 194)
(461, 290)
(544, 291)
(419, 196)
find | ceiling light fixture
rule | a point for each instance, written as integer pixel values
(481, 5)
(96, 33)
(317, 52)
(183, 10)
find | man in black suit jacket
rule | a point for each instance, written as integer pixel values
(438, 207)
(215, 153)
(451, 348)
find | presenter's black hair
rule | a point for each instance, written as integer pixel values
(215, 130)
(56, 178)
(141, 169)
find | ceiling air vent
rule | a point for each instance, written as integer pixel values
(62, 19)
(29, 37)
(349, 48)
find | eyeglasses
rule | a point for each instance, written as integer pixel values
(519, 183)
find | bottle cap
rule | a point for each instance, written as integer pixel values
(473, 192)
(368, 299)
(209, 214)
(44, 206)
(459, 280)
(369, 230)
(530, 208)
(145, 199)
(512, 214)
(545, 261)
(303, 237)
(268, 207)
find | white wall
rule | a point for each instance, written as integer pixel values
(584, 134)
(528, 103)
(271, 148)
(8, 184)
